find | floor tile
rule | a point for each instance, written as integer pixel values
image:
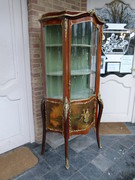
(64, 173)
(102, 163)
(130, 138)
(92, 134)
(78, 162)
(37, 151)
(126, 143)
(88, 154)
(61, 151)
(77, 176)
(54, 160)
(119, 148)
(91, 172)
(25, 176)
(39, 147)
(32, 145)
(97, 149)
(51, 176)
(131, 150)
(108, 140)
(111, 154)
(110, 174)
(131, 127)
(41, 169)
(81, 143)
(116, 159)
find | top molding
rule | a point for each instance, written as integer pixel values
(70, 15)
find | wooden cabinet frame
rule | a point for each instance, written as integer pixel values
(71, 116)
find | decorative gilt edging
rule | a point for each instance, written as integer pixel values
(66, 14)
(92, 12)
(90, 126)
(95, 105)
(100, 99)
(65, 26)
(66, 108)
(55, 130)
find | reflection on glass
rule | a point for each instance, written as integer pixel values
(83, 60)
(53, 58)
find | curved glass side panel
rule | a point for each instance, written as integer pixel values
(53, 61)
(83, 60)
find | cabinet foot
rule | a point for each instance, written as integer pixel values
(67, 164)
(100, 110)
(100, 146)
(44, 125)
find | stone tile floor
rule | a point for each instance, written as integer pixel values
(115, 161)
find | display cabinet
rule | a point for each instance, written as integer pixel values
(71, 57)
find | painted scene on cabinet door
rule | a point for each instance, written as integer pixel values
(83, 73)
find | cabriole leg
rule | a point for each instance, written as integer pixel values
(66, 153)
(66, 146)
(44, 125)
(100, 110)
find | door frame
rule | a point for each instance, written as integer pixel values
(133, 73)
(27, 68)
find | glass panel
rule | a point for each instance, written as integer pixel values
(53, 61)
(93, 58)
(83, 60)
(53, 34)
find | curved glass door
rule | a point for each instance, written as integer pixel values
(53, 58)
(83, 60)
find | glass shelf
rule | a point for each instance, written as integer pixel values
(81, 72)
(83, 45)
(56, 73)
(73, 72)
(53, 45)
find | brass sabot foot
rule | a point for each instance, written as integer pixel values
(67, 164)
(100, 146)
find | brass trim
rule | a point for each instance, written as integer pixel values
(71, 23)
(87, 99)
(65, 26)
(63, 14)
(70, 119)
(53, 129)
(80, 130)
(91, 13)
(100, 146)
(95, 105)
(66, 107)
(100, 99)
(67, 164)
(53, 101)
